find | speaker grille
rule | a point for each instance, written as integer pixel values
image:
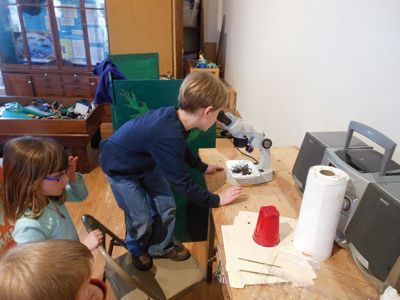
(311, 153)
(374, 230)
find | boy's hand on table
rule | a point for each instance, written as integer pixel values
(229, 194)
(71, 172)
(212, 169)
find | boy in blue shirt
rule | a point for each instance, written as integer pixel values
(148, 153)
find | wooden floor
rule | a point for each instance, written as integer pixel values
(101, 204)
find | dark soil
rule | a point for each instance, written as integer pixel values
(241, 169)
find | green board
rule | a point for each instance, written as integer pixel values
(137, 66)
(134, 97)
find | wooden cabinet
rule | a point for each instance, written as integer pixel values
(48, 48)
(137, 26)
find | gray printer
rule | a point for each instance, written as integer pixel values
(369, 222)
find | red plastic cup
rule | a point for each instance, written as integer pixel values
(267, 229)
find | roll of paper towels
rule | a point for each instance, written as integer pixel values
(320, 211)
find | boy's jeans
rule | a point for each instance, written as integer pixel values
(149, 208)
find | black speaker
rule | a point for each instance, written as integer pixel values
(374, 229)
(310, 154)
(312, 151)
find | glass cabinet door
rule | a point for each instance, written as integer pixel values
(94, 3)
(39, 37)
(97, 33)
(12, 49)
(70, 32)
(54, 33)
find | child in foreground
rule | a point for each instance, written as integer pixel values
(38, 178)
(52, 269)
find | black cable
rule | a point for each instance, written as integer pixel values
(245, 154)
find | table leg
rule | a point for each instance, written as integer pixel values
(95, 141)
(210, 246)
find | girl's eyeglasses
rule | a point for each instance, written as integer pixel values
(56, 178)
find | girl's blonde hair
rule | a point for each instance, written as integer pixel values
(27, 160)
(51, 269)
(201, 90)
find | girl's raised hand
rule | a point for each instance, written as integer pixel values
(71, 173)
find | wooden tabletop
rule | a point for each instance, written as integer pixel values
(338, 277)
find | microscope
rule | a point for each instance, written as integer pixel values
(245, 172)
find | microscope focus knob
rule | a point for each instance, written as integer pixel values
(266, 143)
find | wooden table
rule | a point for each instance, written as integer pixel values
(74, 133)
(338, 277)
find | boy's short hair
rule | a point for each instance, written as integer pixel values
(201, 90)
(51, 269)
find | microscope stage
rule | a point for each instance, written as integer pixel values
(244, 172)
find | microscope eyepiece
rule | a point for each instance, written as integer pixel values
(223, 118)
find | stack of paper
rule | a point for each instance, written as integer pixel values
(249, 263)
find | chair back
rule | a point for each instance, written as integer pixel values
(141, 280)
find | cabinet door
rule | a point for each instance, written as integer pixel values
(82, 31)
(137, 26)
(39, 34)
(18, 84)
(71, 34)
(12, 49)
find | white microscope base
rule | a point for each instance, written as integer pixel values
(265, 176)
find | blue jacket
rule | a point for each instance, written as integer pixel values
(156, 138)
(103, 91)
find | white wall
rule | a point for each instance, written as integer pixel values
(210, 18)
(310, 65)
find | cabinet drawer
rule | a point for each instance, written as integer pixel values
(77, 93)
(39, 84)
(75, 86)
(76, 79)
(46, 77)
(42, 92)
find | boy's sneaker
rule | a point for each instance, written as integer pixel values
(178, 252)
(143, 262)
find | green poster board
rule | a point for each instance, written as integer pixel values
(137, 66)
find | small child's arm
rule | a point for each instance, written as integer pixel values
(76, 189)
(71, 173)
(93, 239)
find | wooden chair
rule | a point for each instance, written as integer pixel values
(167, 279)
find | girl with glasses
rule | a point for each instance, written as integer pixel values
(38, 178)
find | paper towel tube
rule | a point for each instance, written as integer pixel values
(320, 211)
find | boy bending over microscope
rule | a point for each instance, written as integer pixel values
(148, 153)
